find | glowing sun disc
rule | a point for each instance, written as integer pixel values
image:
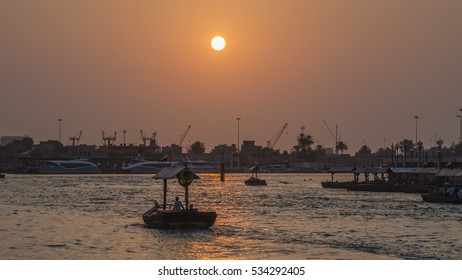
(218, 43)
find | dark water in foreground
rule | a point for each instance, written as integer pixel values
(99, 217)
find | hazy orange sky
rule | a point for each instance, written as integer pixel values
(367, 66)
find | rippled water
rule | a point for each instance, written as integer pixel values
(99, 217)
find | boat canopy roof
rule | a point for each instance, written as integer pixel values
(424, 170)
(253, 168)
(402, 170)
(171, 172)
(449, 173)
(341, 169)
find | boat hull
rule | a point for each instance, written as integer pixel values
(375, 188)
(336, 185)
(255, 182)
(165, 219)
(438, 198)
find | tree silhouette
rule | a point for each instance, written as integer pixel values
(197, 148)
(304, 143)
(365, 150)
(341, 146)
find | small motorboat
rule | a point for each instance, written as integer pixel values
(164, 217)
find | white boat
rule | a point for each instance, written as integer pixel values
(73, 166)
(141, 166)
(200, 166)
(146, 166)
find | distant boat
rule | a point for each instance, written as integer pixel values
(200, 166)
(163, 217)
(254, 180)
(141, 166)
(73, 166)
(2, 175)
(335, 184)
(146, 167)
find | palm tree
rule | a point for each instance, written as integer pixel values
(406, 146)
(341, 146)
(304, 142)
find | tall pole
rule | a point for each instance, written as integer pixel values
(238, 149)
(416, 118)
(460, 129)
(59, 130)
(460, 133)
(238, 144)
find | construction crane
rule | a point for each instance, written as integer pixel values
(151, 139)
(183, 136)
(76, 138)
(336, 138)
(108, 140)
(276, 138)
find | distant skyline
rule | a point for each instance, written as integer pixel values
(369, 67)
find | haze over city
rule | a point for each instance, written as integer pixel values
(369, 67)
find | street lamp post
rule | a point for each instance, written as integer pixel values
(238, 148)
(439, 143)
(416, 118)
(460, 132)
(460, 129)
(392, 153)
(59, 130)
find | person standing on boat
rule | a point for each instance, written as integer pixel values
(177, 206)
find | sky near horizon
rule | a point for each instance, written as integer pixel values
(367, 66)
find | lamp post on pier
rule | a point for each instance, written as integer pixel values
(238, 148)
(460, 132)
(59, 130)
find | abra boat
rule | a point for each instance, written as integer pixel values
(254, 180)
(335, 184)
(163, 216)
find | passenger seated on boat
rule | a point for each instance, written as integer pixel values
(459, 193)
(453, 191)
(177, 206)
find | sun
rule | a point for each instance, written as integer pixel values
(218, 43)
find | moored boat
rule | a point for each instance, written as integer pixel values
(71, 166)
(336, 185)
(440, 198)
(2, 175)
(375, 187)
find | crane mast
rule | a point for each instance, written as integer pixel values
(108, 140)
(151, 139)
(336, 139)
(183, 136)
(76, 138)
(273, 144)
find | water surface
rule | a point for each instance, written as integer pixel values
(99, 217)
